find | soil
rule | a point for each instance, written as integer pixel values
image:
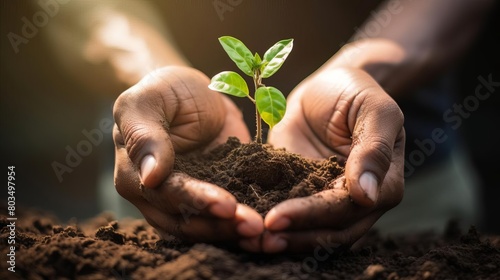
(260, 176)
(104, 248)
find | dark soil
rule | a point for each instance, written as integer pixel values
(103, 248)
(259, 175)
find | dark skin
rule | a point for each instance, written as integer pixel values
(344, 108)
(181, 117)
(346, 113)
(323, 118)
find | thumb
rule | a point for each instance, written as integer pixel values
(171, 109)
(378, 131)
(142, 127)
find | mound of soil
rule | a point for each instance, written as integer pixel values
(104, 248)
(259, 175)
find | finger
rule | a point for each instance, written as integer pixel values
(328, 209)
(360, 121)
(250, 223)
(186, 196)
(247, 224)
(375, 122)
(321, 242)
(143, 133)
(170, 109)
(378, 128)
(197, 228)
(190, 228)
(126, 179)
(391, 192)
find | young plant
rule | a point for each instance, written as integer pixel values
(269, 102)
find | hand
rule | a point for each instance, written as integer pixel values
(341, 112)
(172, 111)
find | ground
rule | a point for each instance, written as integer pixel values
(104, 248)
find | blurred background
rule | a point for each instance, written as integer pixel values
(64, 62)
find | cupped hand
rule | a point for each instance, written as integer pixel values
(341, 112)
(171, 111)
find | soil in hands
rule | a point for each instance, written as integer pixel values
(259, 175)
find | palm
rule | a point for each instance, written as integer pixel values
(341, 112)
(317, 119)
(169, 112)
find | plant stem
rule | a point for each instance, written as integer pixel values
(257, 81)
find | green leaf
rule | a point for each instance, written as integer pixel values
(238, 53)
(271, 104)
(257, 61)
(230, 83)
(275, 56)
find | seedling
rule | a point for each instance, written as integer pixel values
(270, 103)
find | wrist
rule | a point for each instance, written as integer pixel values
(135, 50)
(384, 60)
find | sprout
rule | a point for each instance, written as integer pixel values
(269, 102)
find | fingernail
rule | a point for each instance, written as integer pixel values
(281, 223)
(368, 183)
(147, 165)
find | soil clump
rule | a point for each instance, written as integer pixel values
(259, 175)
